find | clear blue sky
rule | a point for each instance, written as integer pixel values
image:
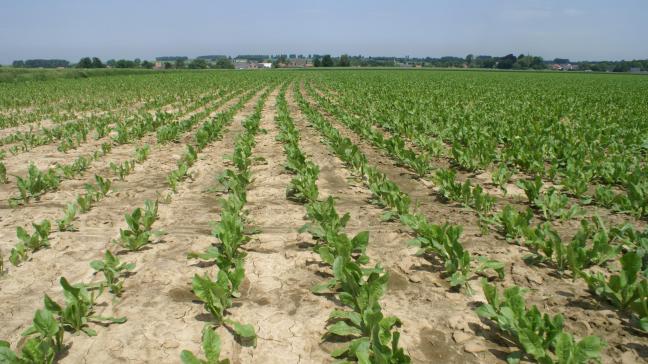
(70, 29)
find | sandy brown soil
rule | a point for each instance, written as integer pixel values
(47, 119)
(49, 155)
(163, 317)
(161, 161)
(18, 164)
(277, 301)
(22, 287)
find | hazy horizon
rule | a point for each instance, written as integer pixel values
(71, 29)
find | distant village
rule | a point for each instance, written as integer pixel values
(241, 62)
(252, 62)
(521, 62)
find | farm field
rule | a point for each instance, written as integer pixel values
(373, 216)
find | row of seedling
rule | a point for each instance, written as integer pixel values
(44, 338)
(439, 240)
(593, 245)
(38, 182)
(541, 337)
(171, 132)
(39, 239)
(217, 293)
(547, 246)
(370, 335)
(71, 134)
(209, 131)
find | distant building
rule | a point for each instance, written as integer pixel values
(158, 65)
(564, 67)
(243, 65)
(297, 63)
(635, 70)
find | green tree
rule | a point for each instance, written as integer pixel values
(224, 63)
(317, 62)
(198, 64)
(621, 67)
(96, 63)
(344, 61)
(506, 62)
(469, 59)
(147, 64)
(327, 61)
(168, 65)
(85, 62)
(125, 63)
(179, 63)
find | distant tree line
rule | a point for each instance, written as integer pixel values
(95, 62)
(255, 57)
(171, 58)
(328, 61)
(127, 63)
(87, 62)
(202, 63)
(507, 62)
(40, 63)
(212, 57)
(619, 66)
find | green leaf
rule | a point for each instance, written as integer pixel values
(361, 239)
(243, 330)
(89, 331)
(514, 358)
(564, 347)
(631, 263)
(486, 311)
(495, 265)
(37, 351)
(211, 344)
(532, 343)
(22, 234)
(591, 346)
(97, 265)
(457, 279)
(187, 357)
(7, 355)
(354, 317)
(362, 352)
(643, 324)
(336, 353)
(51, 305)
(325, 254)
(46, 323)
(341, 328)
(324, 286)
